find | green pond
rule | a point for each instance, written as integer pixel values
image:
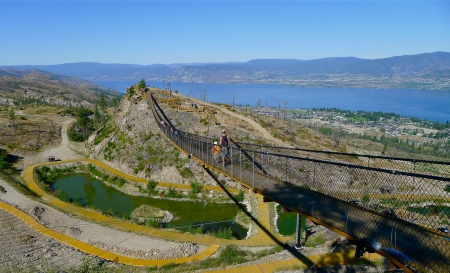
(287, 222)
(91, 192)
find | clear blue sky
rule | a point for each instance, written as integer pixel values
(149, 32)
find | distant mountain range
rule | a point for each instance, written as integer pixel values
(423, 71)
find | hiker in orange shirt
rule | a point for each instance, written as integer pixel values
(216, 152)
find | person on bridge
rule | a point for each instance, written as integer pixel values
(225, 144)
(216, 152)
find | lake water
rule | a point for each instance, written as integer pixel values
(89, 191)
(425, 104)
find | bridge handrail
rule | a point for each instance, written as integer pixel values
(346, 154)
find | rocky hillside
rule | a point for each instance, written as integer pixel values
(35, 85)
(133, 143)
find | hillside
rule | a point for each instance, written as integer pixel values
(132, 142)
(36, 85)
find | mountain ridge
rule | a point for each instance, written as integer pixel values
(282, 71)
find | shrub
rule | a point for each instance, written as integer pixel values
(231, 254)
(447, 188)
(152, 222)
(366, 198)
(61, 195)
(196, 230)
(240, 196)
(151, 185)
(172, 193)
(226, 233)
(315, 241)
(196, 187)
(186, 173)
(121, 182)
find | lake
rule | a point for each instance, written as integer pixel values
(425, 104)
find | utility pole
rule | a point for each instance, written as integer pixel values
(285, 103)
(259, 106)
(279, 109)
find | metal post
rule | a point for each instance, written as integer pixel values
(286, 170)
(314, 174)
(230, 161)
(349, 179)
(298, 233)
(253, 176)
(240, 159)
(346, 222)
(262, 162)
(394, 200)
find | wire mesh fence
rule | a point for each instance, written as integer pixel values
(401, 203)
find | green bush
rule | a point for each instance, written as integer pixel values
(447, 188)
(315, 241)
(366, 198)
(196, 187)
(61, 195)
(172, 193)
(240, 196)
(186, 173)
(200, 229)
(151, 185)
(231, 254)
(226, 233)
(121, 182)
(151, 222)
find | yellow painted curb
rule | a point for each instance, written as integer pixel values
(100, 252)
(336, 258)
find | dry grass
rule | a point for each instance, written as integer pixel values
(29, 133)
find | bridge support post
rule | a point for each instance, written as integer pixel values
(298, 232)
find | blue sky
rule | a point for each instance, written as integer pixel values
(149, 32)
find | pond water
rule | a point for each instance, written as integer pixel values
(287, 222)
(91, 192)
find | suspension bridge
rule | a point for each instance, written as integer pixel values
(397, 207)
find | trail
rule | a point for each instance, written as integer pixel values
(264, 133)
(62, 151)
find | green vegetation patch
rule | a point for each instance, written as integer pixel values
(186, 173)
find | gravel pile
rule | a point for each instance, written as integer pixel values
(181, 251)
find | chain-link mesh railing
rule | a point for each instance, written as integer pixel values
(400, 207)
(439, 168)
